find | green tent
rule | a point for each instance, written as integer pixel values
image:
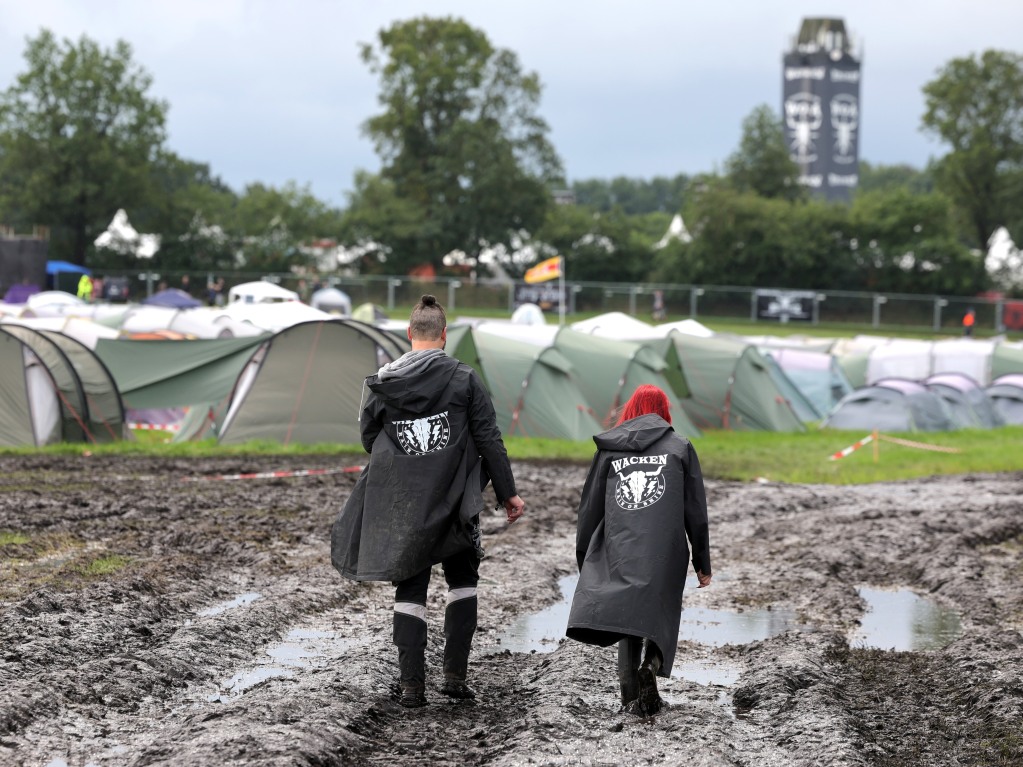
(610, 370)
(732, 386)
(103, 404)
(164, 374)
(535, 390)
(30, 412)
(304, 384)
(71, 397)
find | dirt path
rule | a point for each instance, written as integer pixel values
(151, 620)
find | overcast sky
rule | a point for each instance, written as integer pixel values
(273, 90)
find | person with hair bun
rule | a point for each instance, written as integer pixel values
(642, 499)
(431, 431)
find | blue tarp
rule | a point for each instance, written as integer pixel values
(58, 267)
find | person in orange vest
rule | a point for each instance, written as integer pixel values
(968, 320)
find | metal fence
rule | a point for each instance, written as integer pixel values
(922, 312)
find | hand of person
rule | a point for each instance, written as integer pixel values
(514, 506)
(703, 579)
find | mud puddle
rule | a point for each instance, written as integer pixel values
(901, 620)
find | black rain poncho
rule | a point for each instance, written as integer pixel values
(643, 498)
(430, 428)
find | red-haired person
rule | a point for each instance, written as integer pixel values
(642, 500)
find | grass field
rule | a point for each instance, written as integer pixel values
(744, 456)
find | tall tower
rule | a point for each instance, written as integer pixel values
(821, 107)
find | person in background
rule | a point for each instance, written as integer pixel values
(85, 287)
(969, 320)
(642, 499)
(431, 432)
(97, 288)
(186, 284)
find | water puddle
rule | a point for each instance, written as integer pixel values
(301, 648)
(239, 601)
(543, 631)
(901, 620)
(706, 672)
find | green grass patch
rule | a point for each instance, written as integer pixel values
(10, 538)
(105, 565)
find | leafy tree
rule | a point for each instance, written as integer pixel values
(907, 243)
(600, 247)
(875, 178)
(633, 196)
(78, 133)
(762, 164)
(975, 105)
(459, 138)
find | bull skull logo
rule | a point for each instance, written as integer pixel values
(423, 435)
(639, 489)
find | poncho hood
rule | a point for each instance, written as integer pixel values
(635, 435)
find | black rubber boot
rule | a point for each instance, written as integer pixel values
(630, 649)
(410, 637)
(649, 700)
(459, 629)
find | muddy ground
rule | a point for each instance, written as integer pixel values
(148, 619)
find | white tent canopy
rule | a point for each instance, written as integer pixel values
(260, 292)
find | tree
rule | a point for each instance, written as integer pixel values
(459, 138)
(907, 243)
(77, 135)
(975, 105)
(762, 164)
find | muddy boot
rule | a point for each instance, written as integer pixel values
(649, 700)
(630, 650)
(410, 637)
(459, 628)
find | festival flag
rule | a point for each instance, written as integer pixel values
(545, 270)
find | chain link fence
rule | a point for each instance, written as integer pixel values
(463, 296)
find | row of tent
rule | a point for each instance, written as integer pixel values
(304, 383)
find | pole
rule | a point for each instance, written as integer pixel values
(561, 290)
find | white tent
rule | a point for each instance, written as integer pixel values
(618, 325)
(273, 317)
(260, 292)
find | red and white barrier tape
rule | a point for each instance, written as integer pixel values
(276, 474)
(155, 426)
(852, 448)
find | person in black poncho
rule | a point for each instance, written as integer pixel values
(431, 431)
(643, 498)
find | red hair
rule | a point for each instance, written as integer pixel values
(646, 399)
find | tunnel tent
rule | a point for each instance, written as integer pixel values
(535, 390)
(817, 375)
(304, 384)
(732, 386)
(74, 411)
(966, 400)
(1006, 395)
(892, 405)
(610, 370)
(1006, 359)
(163, 373)
(30, 408)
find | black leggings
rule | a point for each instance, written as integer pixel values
(460, 571)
